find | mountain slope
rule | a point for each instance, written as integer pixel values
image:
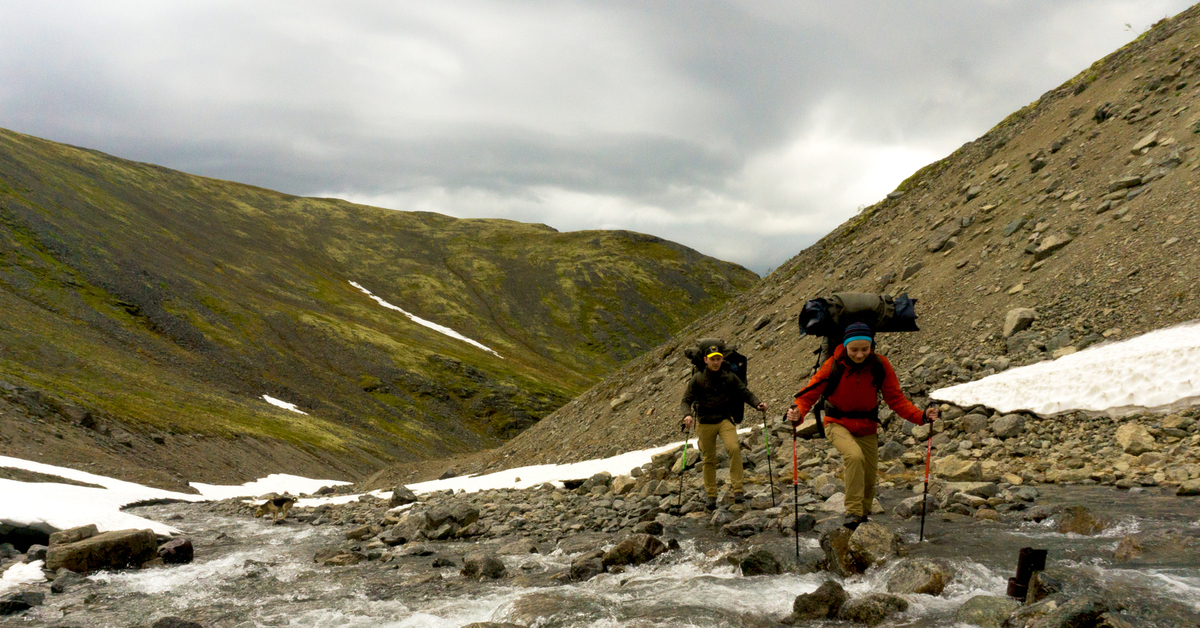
(168, 304)
(1082, 206)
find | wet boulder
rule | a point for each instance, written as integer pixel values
(835, 543)
(177, 552)
(410, 528)
(824, 603)
(1080, 520)
(175, 622)
(65, 580)
(1041, 586)
(520, 546)
(919, 575)
(760, 561)
(873, 544)
(872, 609)
(483, 566)
(110, 550)
(748, 525)
(492, 624)
(1074, 613)
(20, 602)
(912, 506)
(986, 611)
(635, 550)
(587, 566)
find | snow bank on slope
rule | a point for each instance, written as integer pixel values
(1155, 371)
(431, 325)
(283, 404)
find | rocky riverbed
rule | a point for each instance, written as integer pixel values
(1123, 536)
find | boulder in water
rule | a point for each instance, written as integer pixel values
(110, 550)
(1080, 520)
(919, 575)
(480, 566)
(872, 609)
(20, 602)
(177, 552)
(635, 550)
(824, 603)
(760, 561)
(836, 544)
(986, 611)
(873, 544)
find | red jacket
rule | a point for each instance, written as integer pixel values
(856, 392)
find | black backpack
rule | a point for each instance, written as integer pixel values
(734, 363)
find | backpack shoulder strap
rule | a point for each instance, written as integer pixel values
(877, 373)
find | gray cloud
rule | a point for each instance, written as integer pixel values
(743, 129)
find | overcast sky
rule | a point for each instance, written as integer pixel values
(746, 130)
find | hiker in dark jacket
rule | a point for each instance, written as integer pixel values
(710, 396)
(852, 412)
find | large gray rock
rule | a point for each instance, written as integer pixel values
(986, 611)
(177, 551)
(973, 423)
(919, 575)
(912, 506)
(835, 542)
(1051, 245)
(891, 450)
(401, 495)
(587, 566)
(824, 603)
(111, 550)
(872, 609)
(1134, 439)
(410, 528)
(1009, 426)
(1075, 613)
(1018, 319)
(480, 566)
(20, 602)
(74, 534)
(635, 550)
(760, 561)
(958, 470)
(1080, 520)
(873, 544)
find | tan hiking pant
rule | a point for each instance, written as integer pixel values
(708, 446)
(860, 456)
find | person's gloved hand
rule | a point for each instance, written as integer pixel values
(932, 413)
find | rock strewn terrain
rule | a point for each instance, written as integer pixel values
(1081, 208)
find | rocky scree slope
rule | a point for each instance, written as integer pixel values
(147, 311)
(1082, 207)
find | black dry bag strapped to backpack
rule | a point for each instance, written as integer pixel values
(734, 363)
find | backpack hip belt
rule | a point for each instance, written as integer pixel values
(833, 412)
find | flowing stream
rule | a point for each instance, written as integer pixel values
(249, 573)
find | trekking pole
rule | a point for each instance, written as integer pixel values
(925, 495)
(770, 473)
(682, 465)
(796, 494)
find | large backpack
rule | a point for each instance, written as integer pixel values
(829, 318)
(734, 362)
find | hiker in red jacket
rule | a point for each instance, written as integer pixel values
(851, 408)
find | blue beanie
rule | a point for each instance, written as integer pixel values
(858, 331)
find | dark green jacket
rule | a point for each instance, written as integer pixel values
(714, 394)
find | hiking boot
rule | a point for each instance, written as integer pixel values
(853, 521)
(739, 497)
(711, 504)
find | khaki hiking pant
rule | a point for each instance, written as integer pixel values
(708, 446)
(861, 456)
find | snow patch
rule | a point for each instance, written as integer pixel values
(22, 573)
(283, 404)
(274, 483)
(1155, 371)
(442, 329)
